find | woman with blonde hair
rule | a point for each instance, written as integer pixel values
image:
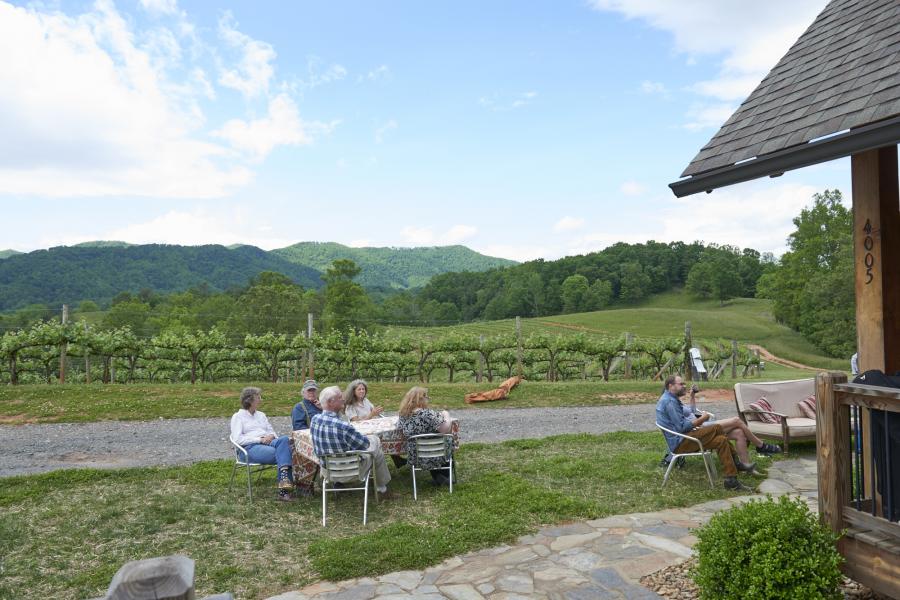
(357, 406)
(417, 418)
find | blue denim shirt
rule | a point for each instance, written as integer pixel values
(298, 414)
(670, 414)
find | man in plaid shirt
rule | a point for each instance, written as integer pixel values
(331, 435)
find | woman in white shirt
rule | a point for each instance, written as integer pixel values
(357, 406)
(251, 429)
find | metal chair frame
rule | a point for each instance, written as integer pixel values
(432, 445)
(252, 467)
(703, 452)
(342, 468)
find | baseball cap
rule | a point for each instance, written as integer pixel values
(310, 384)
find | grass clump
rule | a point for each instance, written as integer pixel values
(767, 549)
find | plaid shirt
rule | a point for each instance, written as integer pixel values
(331, 435)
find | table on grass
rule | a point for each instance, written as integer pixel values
(387, 429)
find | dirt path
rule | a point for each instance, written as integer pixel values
(769, 357)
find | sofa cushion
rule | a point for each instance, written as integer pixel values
(798, 427)
(808, 407)
(763, 405)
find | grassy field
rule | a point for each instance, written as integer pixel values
(746, 320)
(71, 403)
(66, 533)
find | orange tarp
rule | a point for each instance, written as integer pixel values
(499, 394)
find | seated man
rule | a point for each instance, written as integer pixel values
(331, 434)
(670, 414)
(308, 407)
(251, 430)
(735, 429)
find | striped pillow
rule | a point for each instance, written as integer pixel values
(808, 407)
(763, 404)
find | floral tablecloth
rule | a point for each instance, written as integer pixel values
(306, 463)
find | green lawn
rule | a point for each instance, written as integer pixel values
(66, 533)
(746, 320)
(72, 403)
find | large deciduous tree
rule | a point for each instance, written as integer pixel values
(346, 302)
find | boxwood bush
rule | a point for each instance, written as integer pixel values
(767, 549)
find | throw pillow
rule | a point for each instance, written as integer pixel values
(763, 404)
(808, 407)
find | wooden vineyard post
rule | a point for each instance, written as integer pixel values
(688, 360)
(734, 355)
(519, 346)
(87, 357)
(63, 346)
(311, 364)
(833, 451)
(480, 375)
(628, 339)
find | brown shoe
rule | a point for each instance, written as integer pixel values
(387, 495)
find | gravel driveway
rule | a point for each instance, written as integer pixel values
(111, 444)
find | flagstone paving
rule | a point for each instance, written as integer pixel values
(599, 559)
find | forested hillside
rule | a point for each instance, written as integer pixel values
(8, 253)
(70, 274)
(397, 268)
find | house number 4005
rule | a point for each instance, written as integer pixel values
(869, 258)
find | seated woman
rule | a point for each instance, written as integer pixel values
(308, 407)
(415, 419)
(251, 429)
(357, 406)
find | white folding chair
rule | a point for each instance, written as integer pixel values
(243, 459)
(703, 452)
(343, 468)
(432, 445)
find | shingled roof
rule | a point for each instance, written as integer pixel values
(842, 74)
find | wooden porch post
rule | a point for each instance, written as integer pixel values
(876, 254)
(833, 443)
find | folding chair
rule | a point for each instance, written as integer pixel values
(432, 445)
(344, 468)
(705, 453)
(243, 459)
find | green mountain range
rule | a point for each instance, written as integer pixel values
(392, 267)
(100, 270)
(8, 253)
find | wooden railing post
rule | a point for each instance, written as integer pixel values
(833, 451)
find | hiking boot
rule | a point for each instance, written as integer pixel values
(733, 484)
(285, 496)
(768, 449)
(745, 468)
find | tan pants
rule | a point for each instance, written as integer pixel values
(376, 459)
(713, 438)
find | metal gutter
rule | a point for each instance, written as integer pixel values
(867, 137)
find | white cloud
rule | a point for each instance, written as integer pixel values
(379, 73)
(459, 233)
(92, 112)
(521, 253)
(254, 70)
(426, 236)
(706, 116)
(165, 7)
(497, 104)
(282, 126)
(568, 224)
(317, 76)
(193, 228)
(381, 131)
(632, 188)
(654, 87)
(750, 38)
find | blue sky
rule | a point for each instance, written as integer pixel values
(520, 129)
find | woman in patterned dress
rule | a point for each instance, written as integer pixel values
(415, 419)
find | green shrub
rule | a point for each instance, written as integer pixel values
(764, 550)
